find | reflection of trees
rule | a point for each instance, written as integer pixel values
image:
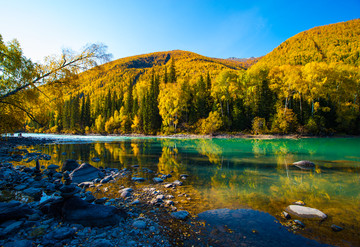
(169, 160)
(208, 148)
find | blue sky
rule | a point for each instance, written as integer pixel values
(212, 28)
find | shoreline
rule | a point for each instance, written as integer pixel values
(182, 136)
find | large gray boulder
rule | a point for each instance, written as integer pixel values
(305, 212)
(84, 173)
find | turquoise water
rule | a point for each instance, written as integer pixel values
(243, 173)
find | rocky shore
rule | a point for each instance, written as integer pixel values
(56, 206)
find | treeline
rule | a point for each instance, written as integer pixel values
(317, 98)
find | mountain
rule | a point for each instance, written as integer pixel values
(115, 75)
(309, 85)
(338, 42)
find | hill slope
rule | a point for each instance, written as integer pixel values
(338, 42)
(116, 74)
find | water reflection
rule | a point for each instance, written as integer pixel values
(238, 173)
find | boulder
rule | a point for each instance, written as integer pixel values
(305, 212)
(78, 211)
(14, 210)
(69, 165)
(84, 173)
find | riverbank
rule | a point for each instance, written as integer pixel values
(42, 137)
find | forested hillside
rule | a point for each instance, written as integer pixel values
(309, 84)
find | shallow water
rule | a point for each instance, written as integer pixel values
(242, 173)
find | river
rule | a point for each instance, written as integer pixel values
(241, 173)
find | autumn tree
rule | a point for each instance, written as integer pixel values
(19, 76)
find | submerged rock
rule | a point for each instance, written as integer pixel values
(306, 212)
(304, 164)
(336, 228)
(95, 159)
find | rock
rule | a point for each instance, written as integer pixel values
(78, 211)
(286, 215)
(57, 175)
(135, 202)
(53, 167)
(106, 179)
(168, 186)
(336, 228)
(85, 184)
(95, 159)
(102, 243)
(101, 200)
(306, 212)
(89, 197)
(177, 182)
(84, 173)
(15, 226)
(21, 187)
(160, 197)
(301, 203)
(140, 224)
(137, 179)
(304, 164)
(125, 194)
(298, 222)
(126, 189)
(157, 180)
(69, 165)
(180, 215)
(184, 176)
(19, 243)
(14, 210)
(61, 233)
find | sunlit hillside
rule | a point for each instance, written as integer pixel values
(331, 43)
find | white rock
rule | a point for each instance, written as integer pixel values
(305, 212)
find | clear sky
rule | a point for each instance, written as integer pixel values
(221, 28)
